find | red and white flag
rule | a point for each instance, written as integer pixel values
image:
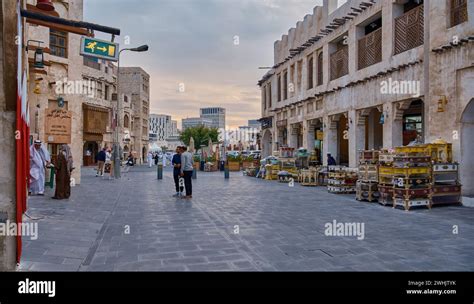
(22, 137)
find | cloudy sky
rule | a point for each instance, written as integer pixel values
(211, 48)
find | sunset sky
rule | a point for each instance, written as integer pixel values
(192, 42)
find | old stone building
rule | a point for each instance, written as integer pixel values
(60, 85)
(373, 74)
(97, 108)
(86, 88)
(135, 91)
(8, 68)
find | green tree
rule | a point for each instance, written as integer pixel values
(201, 135)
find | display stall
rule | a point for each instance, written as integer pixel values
(367, 183)
(309, 177)
(341, 179)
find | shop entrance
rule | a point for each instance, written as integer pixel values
(267, 143)
(282, 137)
(467, 148)
(343, 141)
(413, 122)
(90, 150)
(315, 139)
(144, 155)
(373, 131)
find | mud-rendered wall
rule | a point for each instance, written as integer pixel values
(7, 124)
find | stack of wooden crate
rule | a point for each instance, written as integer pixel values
(385, 178)
(271, 171)
(446, 186)
(412, 177)
(341, 179)
(309, 177)
(367, 183)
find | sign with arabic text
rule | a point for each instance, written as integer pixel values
(58, 126)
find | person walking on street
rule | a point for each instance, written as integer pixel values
(176, 163)
(39, 160)
(186, 171)
(150, 159)
(164, 160)
(156, 158)
(63, 167)
(101, 158)
(108, 161)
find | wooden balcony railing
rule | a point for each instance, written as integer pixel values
(339, 63)
(409, 30)
(370, 49)
(458, 12)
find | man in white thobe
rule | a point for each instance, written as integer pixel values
(150, 159)
(164, 160)
(39, 159)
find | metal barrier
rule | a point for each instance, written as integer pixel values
(51, 179)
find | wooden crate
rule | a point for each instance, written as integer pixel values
(446, 194)
(386, 194)
(404, 161)
(368, 172)
(367, 191)
(439, 152)
(407, 204)
(391, 171)
(341, 189)
(308, 177)
(368, 156)
(386, 158)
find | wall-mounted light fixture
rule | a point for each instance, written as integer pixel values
(39, 54)
(39, 58)
(45, 5)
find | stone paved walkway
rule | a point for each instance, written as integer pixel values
(280, 229)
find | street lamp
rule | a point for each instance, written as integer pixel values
(117, 165)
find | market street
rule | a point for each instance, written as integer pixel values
(240, 224)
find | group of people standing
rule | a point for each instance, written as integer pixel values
(104, 162)
(182, 163)
(154, 157)
(40, 160)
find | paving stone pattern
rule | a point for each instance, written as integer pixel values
(280, 229)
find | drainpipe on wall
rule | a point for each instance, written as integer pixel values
(426, 70)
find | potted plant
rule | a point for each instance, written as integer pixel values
(247, 162)
(196, 160)
(234, 162)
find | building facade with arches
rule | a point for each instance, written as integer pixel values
(371, 75)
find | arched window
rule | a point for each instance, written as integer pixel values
(320, 69)
(126, 121)
(310, 72)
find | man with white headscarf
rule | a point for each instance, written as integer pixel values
(39, 160)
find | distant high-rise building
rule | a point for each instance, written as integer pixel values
(195, 121)
(161, 127)
(216, 115)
